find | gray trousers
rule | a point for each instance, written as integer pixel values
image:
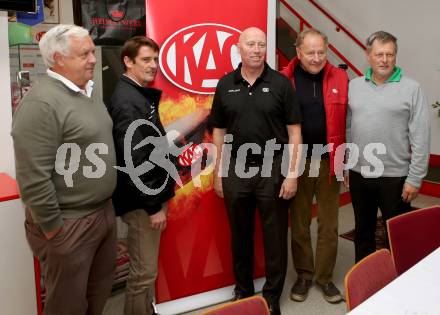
(78, 263)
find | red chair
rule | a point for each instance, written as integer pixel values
(254, 305)
(368, 276)
(413, 236)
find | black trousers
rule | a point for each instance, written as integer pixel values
(242, 196)
(368, 194)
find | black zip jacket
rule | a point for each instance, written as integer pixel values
(130, 102)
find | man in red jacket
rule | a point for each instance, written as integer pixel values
(322, 90)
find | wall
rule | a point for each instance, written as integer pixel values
(17, 288)
(415, 26)
(6, 151)
(66, 11)
(7, 164)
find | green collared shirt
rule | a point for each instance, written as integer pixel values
(395, 77)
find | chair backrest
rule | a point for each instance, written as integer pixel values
(413, 236)
(254, 305)
(368, 276)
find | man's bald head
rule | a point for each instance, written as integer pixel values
(252, 48)
(251, 31)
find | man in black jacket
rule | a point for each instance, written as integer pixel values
(144, 210)
(255, 106)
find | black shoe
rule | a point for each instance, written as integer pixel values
(330, 292)
(300, 290)
(274, 309)
(238, 295)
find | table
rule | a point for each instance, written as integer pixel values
(8, 188)
(415, 292)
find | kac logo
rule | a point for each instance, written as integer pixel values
(195, 57)
(190, 155)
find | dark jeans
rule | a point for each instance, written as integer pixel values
(368, 194)
(242, 197)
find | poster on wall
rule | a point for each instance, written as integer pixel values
(198, 46)
(32, 18)
(47, 12)
(51, 11)
(112, 22)
(26, 67)
(39, 30)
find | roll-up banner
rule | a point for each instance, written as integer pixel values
(198, 46)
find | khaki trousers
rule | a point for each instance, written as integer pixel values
(143, 248)
(78, 263)
(327, 196)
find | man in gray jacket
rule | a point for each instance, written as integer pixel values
(388, 121)
(64, 156)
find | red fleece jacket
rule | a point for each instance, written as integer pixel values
(335, 89)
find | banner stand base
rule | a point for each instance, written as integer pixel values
(201, 300)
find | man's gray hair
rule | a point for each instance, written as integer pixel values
(57, 40)
(310, 31)
(380, 36)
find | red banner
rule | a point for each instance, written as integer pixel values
(198, 46)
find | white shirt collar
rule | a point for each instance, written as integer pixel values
(89, 86)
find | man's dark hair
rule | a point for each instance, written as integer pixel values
(131, 47)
